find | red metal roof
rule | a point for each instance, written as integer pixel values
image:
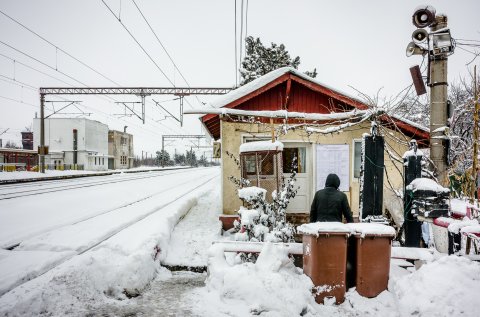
(293, 91)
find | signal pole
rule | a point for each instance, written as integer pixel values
(438, 47)
(438, 107)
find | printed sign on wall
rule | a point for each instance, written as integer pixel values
(333, 158)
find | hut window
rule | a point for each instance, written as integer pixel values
(289, 154)
(357, 150)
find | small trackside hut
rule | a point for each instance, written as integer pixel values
(321, 127)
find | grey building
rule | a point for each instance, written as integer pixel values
(120, 150)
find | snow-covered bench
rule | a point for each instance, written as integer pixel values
(297, 249)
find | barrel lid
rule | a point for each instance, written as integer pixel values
(373, 229)
(323, 227)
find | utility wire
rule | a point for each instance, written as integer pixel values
(161, 44)
(58, 48)
(235, 37)
(140, 45)
(241, 32)
(18, 83)
(44, 64)
(20, 101)
(35, 69)
(68, 54)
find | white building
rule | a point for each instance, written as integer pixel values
(62, 135)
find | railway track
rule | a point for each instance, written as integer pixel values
(11, 191)
(117, 230)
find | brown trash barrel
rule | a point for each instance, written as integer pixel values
(371, 261)
(324, 261)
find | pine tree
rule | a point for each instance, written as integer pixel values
(191, 158)
(163, 158)
(260, 60)
(179, 159)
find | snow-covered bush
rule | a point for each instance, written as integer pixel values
(261, 220)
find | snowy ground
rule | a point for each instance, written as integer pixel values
(79, 273)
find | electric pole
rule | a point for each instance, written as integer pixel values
(475, 137)
(438, 107)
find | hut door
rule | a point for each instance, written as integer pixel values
(301, 202)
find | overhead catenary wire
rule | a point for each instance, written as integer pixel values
(55, 68)
(139, 44)
(57, 48)
(164, 48)
(106, 115)
(236, 49)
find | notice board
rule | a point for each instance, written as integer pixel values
(333, 158)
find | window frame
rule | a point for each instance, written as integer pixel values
(354, 142)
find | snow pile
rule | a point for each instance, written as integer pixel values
(252, 192)
(426, 184)
(412, 153)
(272, 286)
(261, 146)
(456, 226)
(371, 229)
(318, 227)
(248, 216)
(446, 287)
(474, 229)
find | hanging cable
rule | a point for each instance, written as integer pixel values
(138, 43)
(236, 50)
(241, 33)
(164, 48)
(58, 48)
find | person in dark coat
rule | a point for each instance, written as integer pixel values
(329, 203)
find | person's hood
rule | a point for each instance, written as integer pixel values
(332, 181)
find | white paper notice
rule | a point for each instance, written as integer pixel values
(333, 158)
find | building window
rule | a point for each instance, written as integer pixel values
(123, 160)
(103, 161)
(95, 160)
(123, 141)
(357, 158)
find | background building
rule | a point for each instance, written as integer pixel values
(73, 141)
(120, 150)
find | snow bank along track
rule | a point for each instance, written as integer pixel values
(10, 191)
(74, 176)
(119, 229)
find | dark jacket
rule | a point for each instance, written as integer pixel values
(329, 203)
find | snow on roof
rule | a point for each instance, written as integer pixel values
(264, 80)
(409, 122)
(282, 113)
(319, 227)
(258, 146)
(427, 184)
(371, 229)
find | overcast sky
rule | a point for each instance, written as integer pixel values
(358, 44)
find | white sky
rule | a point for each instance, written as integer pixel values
(351, 43)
